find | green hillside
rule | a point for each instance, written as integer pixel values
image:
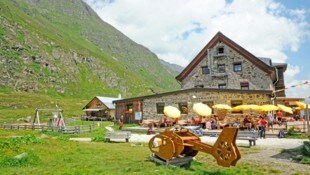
(62, 51)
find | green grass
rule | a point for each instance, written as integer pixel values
(46, 22)
(15, 106)
(53, 153)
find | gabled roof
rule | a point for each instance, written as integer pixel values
(220, 37)
(107, 101)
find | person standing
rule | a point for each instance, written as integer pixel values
(262, 123)
(279, 117)
(121, 124)
(270, 121)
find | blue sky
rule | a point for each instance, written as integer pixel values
(302, 56)
(176, 30)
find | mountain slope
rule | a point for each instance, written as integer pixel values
(63, 49)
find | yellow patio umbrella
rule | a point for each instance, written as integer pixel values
(221, 106)
(268, 107)
(285, 108)
(202, 109)
(171, 111)
(250, 107)
(301, 105)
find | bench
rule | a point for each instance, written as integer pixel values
(251, 136)
(117, 135)
(194, 129)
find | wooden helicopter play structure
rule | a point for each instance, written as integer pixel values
(178, 144)
(174, 144)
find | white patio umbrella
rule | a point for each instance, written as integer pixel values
(171, 111)
(202, 109)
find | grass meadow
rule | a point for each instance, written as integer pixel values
(42, 152)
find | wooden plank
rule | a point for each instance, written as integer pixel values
(179, 161)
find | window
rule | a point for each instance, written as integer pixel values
(129, 107)
(160, 108)
(199, 86)
(221, 68)
(220, 50)
(235, 103)
(244, 85)
(183, 108)
(222, 86)
(237, 67)
(205, 70)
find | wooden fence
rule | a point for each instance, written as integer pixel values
(299, 125)
(67, 129)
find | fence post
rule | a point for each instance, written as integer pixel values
(308, 123)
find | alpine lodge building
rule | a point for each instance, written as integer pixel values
(222, 73)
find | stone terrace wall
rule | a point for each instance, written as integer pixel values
(150, 111)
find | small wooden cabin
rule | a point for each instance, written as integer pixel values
(101, 107)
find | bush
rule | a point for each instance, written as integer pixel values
(306, 148)
(98, 139)
(292, 130)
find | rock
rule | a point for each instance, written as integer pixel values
(20, 156)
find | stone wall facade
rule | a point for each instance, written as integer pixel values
(256, 78)
(212, 97)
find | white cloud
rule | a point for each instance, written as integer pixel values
(262, 27)
(291, 72)
(176, 30)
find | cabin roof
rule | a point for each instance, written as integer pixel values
(107, 101)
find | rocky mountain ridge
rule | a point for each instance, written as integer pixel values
(62, 48)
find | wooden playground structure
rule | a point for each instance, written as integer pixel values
(173, 145)
(55, 122)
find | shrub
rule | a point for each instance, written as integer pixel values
(98, 139)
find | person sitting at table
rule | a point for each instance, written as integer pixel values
(176, 121)
(223, 123)
(214, 123)
(165, 121)
(247, 122)
(193, 121)
(203, 122)
(196, 122)
(208, 125)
